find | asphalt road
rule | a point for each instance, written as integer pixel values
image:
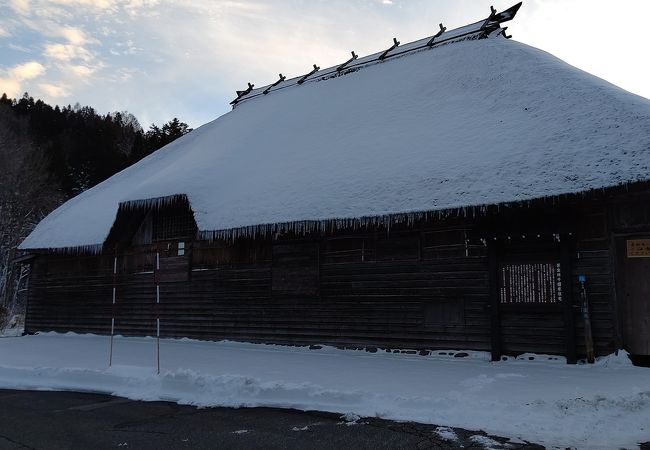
(72, 420)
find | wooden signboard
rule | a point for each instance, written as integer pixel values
(638, 248)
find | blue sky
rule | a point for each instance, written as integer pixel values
(160, 59)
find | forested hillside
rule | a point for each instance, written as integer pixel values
(50, 153)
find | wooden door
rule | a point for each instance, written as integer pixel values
(633, 282)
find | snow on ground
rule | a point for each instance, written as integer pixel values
(446, 433)
(11, 332)
(15, 326)
(486, 442)
(606, 405)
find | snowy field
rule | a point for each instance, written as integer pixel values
(606, 405)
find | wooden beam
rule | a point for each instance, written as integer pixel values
(495, 322)
(566, 275)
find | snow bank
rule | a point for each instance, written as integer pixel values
(470, 123)
(15, 326)
(601, 406)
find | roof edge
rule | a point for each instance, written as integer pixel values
(386, 221)
(90, 249)
(323, 226)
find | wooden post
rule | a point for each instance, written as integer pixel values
(27, 292)
(567, 299)
(157, 281)
(35, 270)
(495, 322)
(589, 341)
(110, 355)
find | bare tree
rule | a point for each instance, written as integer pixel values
(26, 195)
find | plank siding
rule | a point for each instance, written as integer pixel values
(402, 299)
(423, 286)
(593, 258)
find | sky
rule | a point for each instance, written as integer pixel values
(160, 59)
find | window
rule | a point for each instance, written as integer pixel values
(181, 248)
(522, 283)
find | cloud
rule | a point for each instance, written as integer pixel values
(169, 58)
(98, 4)
(81, 70)
(20, 6)
(4, 32)
(11, 79)
(74, 35)
(19, 48)
(67, 52)
(10, 87)
(26, 71)
(144, 53)
(52, 90)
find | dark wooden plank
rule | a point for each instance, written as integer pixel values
(495, 325)
(567, 299)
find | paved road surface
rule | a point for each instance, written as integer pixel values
(71, 420)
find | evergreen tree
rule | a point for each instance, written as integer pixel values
(48, 154)
(83, 147)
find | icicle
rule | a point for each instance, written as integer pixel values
(91, 249)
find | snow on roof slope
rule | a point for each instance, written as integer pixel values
(470, 123)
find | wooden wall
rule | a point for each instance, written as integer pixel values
(425, 287)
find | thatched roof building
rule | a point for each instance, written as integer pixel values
(463, 132)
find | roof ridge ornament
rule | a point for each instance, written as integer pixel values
(506, 15)
(494, 20)
(484, 28)
(241, 94)
(307, 75)
(342, 66)
(433, 38)
(266, 91)
(394, 46)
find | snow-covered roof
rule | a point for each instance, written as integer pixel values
(477, 122)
